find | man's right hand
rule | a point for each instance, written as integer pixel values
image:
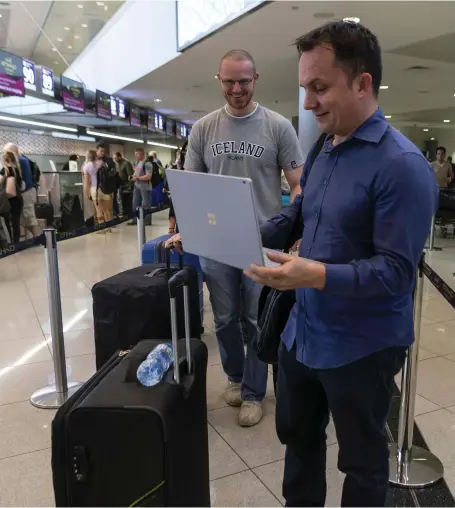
(175, 243)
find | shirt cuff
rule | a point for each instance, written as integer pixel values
(340, 279)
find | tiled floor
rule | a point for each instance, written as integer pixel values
(245, 464)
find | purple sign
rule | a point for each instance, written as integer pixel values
(135, 116)
(103, 105)
(11, 74)
(73, 95)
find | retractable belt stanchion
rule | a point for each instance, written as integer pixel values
(432, 233)
(412, 466)
(140, 232)
(53, 396)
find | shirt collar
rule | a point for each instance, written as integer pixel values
(372, 129)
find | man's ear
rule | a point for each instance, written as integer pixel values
(364, 84)
(256, 77)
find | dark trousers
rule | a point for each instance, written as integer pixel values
(14, 223)
(358, 396)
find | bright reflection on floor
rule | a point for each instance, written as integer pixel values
(34, 350)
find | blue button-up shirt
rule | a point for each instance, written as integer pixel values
(367, 212)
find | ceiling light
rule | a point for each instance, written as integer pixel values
(84, 25)
(77, 37)
(113, 136)
(384, 87)
(352, 19)
(70, 47)
(1, 15)
(54, 49)
(425, 130)
(432, 139)
(446, 121)
(56, 62)
(163, 145)
(66, 28)
(59, 39)
(37, 124)
(100, 4)
(80, 6)
(105, 7)
(156, 100)
(388, 116)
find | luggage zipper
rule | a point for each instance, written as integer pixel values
(123, 352)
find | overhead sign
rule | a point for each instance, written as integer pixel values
(159, 122)
(151, 121)
(121, 108)
(135, 116)
(29, 74)
(182, 131)
(47, 82)
(170, 127)
(114, 110)
(11, 75)
(73, 95)
(103, 105)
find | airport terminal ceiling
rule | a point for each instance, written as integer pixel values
(67, 29)
(419, 63)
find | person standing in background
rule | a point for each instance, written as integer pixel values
(29, 195)
(125, 172)
(442, 168)
(180, 165)
(142, 178)
(12, 183)
(109, 162)
(101, 202)
(73, 158)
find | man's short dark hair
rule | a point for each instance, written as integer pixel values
(100, 145)
(118, 154)
(140, 149)
(356, 48)
(442, 148)
(239, 55)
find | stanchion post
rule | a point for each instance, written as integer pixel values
(431, 245)
(140, 232)
(53, 396)
(412, 466)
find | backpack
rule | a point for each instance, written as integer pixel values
(36, 173)
(274, 305)
(157, 174)
(107, 177)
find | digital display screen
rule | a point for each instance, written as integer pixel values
(47, 82)
(151, 121)
(103, 105)
(114, 110)
(29, 74)
(170, 126)
(135, 116)
(121, 108)
(73, 95)
(11, 74)
(159, 122)
(182, 131)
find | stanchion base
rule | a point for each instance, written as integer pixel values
(423, 470)
(427, 249)
(49, 398)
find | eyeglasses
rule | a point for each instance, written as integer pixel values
(242, 82)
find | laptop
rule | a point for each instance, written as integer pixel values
(217, 217)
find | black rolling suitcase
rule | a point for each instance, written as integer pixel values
(134, 305)
(118, 443)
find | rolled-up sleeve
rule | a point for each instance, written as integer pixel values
(406, 198)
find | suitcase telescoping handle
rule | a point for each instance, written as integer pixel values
(167, 255)
(178, 280)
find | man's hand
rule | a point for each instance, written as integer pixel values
(294, 272)
(175, 243)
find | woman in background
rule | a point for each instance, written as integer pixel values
(12, 183)
(101, 202)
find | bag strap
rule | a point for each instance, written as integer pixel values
(316, 151)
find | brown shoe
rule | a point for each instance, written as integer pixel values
(250, 413)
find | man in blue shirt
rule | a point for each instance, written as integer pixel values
(368, 204)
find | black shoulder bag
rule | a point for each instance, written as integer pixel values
(275, 305)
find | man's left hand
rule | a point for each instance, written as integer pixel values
(294, 272)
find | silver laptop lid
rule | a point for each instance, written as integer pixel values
(216, 217)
